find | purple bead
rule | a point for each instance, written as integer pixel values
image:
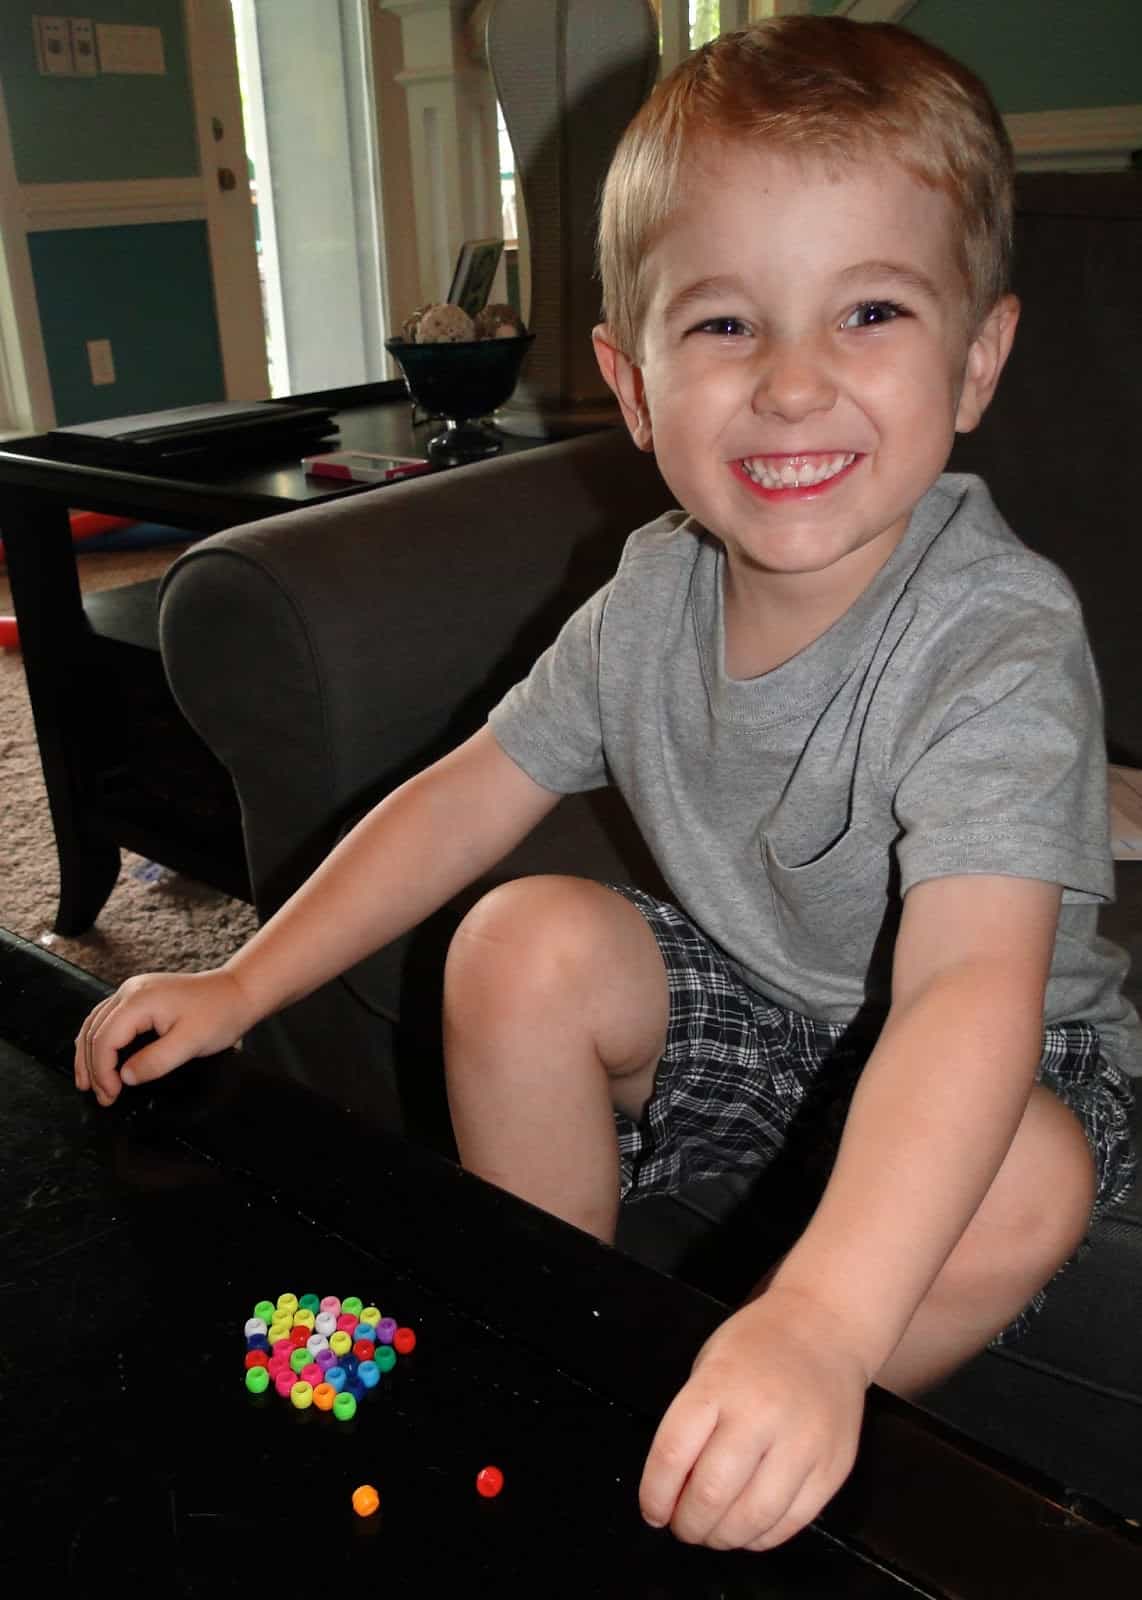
(385, 1330)
(325, 1359)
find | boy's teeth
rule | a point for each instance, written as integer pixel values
(796, 473)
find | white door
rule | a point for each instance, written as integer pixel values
(226, 198)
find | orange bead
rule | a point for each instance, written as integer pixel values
(324, 1395)
(365, 1500)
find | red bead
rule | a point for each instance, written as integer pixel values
(256, 1358)
(364, 1349)
(404, 1341)
(298, 1335)
(489, 1482)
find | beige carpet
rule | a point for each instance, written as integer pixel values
(154, 919)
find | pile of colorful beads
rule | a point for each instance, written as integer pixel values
(325, 1353)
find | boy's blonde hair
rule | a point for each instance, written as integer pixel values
(823, 87)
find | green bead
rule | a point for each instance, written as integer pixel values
(265, 1309)
(309, 1302)
(386, 1357)
(300, 1358)
(257, 1380)
(352, 1307)
(344, 1407)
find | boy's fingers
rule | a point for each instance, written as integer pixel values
(681, 1437)
(83, 1042)
(717, 1485)
(154, 1060)
(109, 1034)
(766, 1509)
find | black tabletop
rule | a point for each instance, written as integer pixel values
(217, 490)
(138, 1242)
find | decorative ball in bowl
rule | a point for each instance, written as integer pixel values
(461, 382)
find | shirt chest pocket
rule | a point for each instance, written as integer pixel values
(836, 910)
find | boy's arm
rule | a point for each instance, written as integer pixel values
(765, 1430)
(937, 1106)
(410, 854)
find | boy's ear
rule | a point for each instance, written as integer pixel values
(985, 361)
(624, 379)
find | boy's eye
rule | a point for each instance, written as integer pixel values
(727, 327)
(870, 313)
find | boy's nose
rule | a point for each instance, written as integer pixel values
(793, 381)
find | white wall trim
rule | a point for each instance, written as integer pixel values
(48, 206)
(26, 404)
(213, 61)
(1095, 138)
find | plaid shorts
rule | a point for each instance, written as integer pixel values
(743, 1081)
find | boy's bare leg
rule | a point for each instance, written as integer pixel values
(1031, 1221)
(555, 1011)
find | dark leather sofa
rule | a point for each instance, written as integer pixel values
(326, 654)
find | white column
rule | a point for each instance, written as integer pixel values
(452, 134)
(570, 75)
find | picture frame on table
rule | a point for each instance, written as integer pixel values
(475, 269)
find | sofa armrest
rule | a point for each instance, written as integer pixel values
(328, 653)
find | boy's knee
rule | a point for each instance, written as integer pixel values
(1038, 1210)
(523, 937)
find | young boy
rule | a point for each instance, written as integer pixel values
(859, 726)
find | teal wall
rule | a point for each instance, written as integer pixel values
(1039, 55)
(146, 288)
(105, 128)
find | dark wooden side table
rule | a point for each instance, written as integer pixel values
(137, 1243)
(122, 766)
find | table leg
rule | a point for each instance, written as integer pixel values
(53, 642)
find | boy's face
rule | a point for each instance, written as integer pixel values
(806, 358)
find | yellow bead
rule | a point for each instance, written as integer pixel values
(287, 1302)
(304, 1319)
(301, 1395)
(277, 1333)
(371, 1315)
(340, 1343)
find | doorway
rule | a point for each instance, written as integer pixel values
(313, 167)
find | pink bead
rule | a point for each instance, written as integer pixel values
(346, 1323)
(312, 1374)
(332, 1305)
(284, 1382)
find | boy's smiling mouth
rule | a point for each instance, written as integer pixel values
(785, 473)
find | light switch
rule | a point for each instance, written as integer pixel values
(84, 59)
(53, 47)
(100, 362)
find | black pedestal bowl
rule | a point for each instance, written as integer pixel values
(461, 383)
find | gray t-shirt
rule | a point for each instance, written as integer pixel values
(949, 722)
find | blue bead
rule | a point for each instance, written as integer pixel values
(258, 1341)
(355, 1387)
(369, 1374)
(336, 1378)
(363, 1330)
(349, 1365)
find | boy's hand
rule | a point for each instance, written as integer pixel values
(764, 1432)
(194, 1014)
